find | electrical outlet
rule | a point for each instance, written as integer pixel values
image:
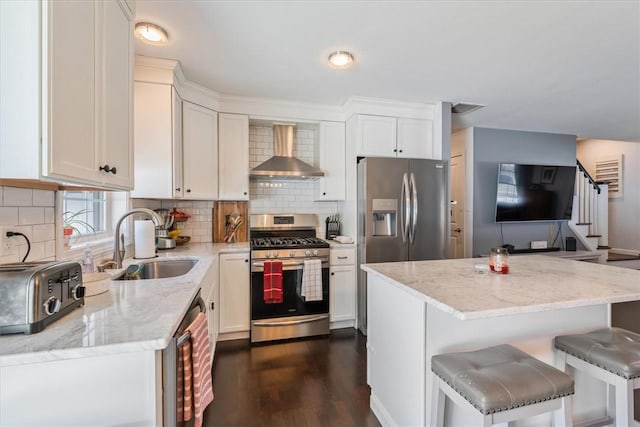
(538, 244)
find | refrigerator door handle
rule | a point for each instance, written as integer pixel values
(405, 208)
(414, 207)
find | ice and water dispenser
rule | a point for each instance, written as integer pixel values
(384, 213)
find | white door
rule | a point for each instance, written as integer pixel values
(456, 243)
(415, 138)
(235, 293)
(342, 293)
(233, 165)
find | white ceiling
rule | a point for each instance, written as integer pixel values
(554, 66)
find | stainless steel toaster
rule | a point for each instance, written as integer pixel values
(35, 294)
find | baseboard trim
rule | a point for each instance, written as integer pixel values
(380, 412)
(635, 252)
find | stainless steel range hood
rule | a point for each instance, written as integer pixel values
(283, 164)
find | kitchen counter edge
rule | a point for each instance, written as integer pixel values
(140, 315)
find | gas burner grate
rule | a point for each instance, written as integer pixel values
(288, 242)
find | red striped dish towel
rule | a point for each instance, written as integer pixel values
(312, 280)
(198, 387)
(272, 282)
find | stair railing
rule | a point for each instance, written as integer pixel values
(592, 204)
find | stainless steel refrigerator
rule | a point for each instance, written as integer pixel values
(403, 215)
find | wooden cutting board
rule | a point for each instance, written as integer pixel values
(221, 213)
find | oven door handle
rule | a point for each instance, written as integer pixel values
(298, 265)
(292, 322)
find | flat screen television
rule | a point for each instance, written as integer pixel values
(534, 192)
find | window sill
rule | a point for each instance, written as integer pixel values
(97, 246)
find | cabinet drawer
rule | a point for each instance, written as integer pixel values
(343, 256)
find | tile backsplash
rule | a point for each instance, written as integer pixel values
(285, 196)
(31, 212)
(198, 226)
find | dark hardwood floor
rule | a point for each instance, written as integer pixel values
(311, 382)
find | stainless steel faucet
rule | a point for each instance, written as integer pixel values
(118, 252)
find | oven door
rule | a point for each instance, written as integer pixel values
(292, 303)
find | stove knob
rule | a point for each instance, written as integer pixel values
(292, 254)
(77, 292)
(276, 254)
(315, 252)
(52, 305)
(267, 254)
(307, 253)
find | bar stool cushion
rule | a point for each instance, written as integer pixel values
(614, 349)
(500, 378)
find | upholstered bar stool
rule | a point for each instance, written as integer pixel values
(611, 355)
(501, 384)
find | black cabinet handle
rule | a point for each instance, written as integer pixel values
(188, 190)
(395, 150)
(212, 305)
(245, 193)
(178, 189)
(324, 194)
(106, 168)
(246, 260)
(401, 151)
(333, 274)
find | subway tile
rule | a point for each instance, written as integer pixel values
(50, 248)
(43, 232)
(36, 254)
(49, 215)
(8, 216)
(43, 198)
(17, 196)
(29, 215)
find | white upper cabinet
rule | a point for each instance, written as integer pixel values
(158, 141)
(376, 135)
(415, 138)
(84, 110)
(379, 136)
(233, 162)
(199, 152)
(330, 152)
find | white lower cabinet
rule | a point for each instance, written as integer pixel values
(342, 287)
(209, 294)
(235, 295)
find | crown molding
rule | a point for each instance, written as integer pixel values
(387, 107)
(269, 109)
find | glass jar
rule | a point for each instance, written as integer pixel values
(499, 260)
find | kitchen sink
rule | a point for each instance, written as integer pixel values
(159, 269)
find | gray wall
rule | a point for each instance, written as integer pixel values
(494, 146)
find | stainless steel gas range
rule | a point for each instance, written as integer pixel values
(289, 277)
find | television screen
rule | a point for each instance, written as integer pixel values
(534, 192)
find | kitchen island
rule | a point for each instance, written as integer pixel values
(418, 309)
(101, 364)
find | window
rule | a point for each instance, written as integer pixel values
(85, 212)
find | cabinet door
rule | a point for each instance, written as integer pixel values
(331, 154)
(70, 99)
(342, 293)
(176, 146)
(235, 293)
(233, 164)
(200, 152)
(415, 138)
(376, 136)
(153, 140)
(116, 74)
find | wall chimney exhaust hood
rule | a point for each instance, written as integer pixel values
(283, 165)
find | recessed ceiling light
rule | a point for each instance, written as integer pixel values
(341, 60)
(151, 34)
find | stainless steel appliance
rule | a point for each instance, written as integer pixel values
(163, 241)
(172, 371)
(35, 294)
(403, 215)
(290, 239)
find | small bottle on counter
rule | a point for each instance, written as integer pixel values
(87, 263)
(499, 260)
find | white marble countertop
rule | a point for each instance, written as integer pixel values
(133, 315)
(535, 283)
